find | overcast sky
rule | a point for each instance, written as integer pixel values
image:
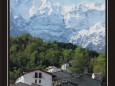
(68, 2)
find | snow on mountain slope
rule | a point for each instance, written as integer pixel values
(82, 24)
(93, 36)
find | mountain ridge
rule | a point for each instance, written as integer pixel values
(81, 24)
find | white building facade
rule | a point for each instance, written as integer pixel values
(66, 67)
(36, 77)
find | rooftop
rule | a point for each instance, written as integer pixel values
(61, 75)
(36, 70)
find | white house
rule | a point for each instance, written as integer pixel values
(97, 76)
(52, 69)
(38, 77)
(65, 67)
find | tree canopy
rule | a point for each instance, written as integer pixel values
(30, 53)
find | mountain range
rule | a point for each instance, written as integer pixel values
(82, 24)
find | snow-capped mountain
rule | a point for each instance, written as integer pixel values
(82, 23)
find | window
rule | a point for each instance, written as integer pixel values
(40, 75)
(39, 81)
(35, 80)
(36, 75)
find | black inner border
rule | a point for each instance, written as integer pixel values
(3, 42)
(111, 43)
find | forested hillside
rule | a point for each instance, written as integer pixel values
(29, 53)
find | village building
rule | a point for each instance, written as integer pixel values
(59, 78)
(38, 77)
(66, 67)
(52, 69)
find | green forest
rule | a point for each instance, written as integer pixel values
(31, 53)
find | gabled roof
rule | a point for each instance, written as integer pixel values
(37, 70)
